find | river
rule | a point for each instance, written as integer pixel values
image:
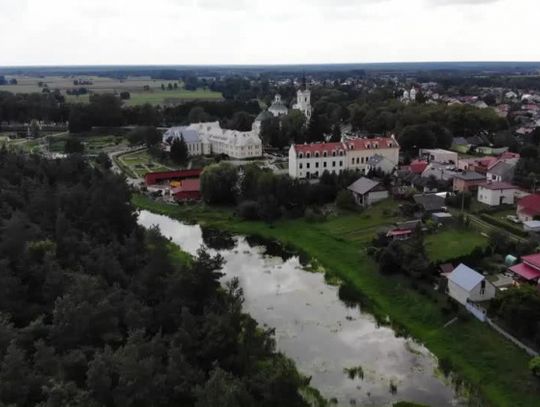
(319, 331)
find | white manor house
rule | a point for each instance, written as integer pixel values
(311, 160)
(208, 138)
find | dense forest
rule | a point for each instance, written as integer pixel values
(96, 311)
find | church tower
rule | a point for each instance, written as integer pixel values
(303, 99)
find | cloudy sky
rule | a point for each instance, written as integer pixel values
(79, 32)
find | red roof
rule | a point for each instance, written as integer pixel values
(508, 154)
(498, 185)
(532, 260)
(319, 147)
(154, 177)
(399, 232)
(530, 204)
(418, 166)
(366, 143)
(525, 271)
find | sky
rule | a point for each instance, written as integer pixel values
(156, 32)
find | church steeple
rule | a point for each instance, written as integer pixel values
(303, 85)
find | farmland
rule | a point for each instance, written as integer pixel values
(142, 89)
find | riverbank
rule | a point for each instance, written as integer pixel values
(482, 357)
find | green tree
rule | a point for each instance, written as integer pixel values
(73, 146)
(179, 151)
(219, 183)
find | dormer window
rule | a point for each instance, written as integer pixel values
(300, 155)
(324, 154)
(308, 155)
(333, 153)
(316, 154)
(340, 152)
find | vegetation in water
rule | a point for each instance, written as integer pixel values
(354, 372)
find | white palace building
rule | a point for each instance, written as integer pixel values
(209, 138)
(311, 160)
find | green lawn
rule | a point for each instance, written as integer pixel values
(481, 356)
(451, 243)
(161, 97)
(141, 162)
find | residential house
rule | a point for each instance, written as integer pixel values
(467, 181)
(468, 287)
(404, 230)
(461, 145)
(528, 270)
(442, 218)
(528, 207)
(498, 193)
(152, 178)
(367, 191)
(501, 171)
(430, 203)
(188, 190)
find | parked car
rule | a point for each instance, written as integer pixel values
(513, 218)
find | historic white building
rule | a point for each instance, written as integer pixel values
(209, 138)
(303, 102)
(311, 160)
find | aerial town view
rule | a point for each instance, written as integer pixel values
(236, 203)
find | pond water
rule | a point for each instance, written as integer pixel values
(316, 329)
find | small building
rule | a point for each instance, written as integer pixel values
(278, 108)
(467, 181)
(367, 191)
(430, 203)
(418, 166)
(467, 286)
(443, 218)
(188, 190)
(399, 234)
(498, 193)
(439, 155)
(528, 270)
(152, 178)
(528, 207)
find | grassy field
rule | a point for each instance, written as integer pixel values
(135, 85)
(451, 243)
(481, 356)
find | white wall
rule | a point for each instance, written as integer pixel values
(461, 295)
(376, 196)
(492, 197)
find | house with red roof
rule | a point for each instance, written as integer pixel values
(311, 160)
(188, 190)
(528, 270)
(528, 208)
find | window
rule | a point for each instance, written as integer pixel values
(333, 163)
(333, 153)
(307, 165)
(317, 154)
(300, 166)
(324, 164)
(482, 287)
(316, 165)
(300, 155)
(352, 161)
(324, 154)
(341, 163)
(308, 155)
(341, 153)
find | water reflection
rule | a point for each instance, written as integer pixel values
(321, 333)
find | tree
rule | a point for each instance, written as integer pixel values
(34, 129)
(534, 366)
(219, 183)
(223, 390)
(179, 151)
(345, 200)
(103, 160)
(241, 121)
(336, 133)
(73, 146)
(169, 86)
(79, 119)
(162, 86)
(198, 115)
(148, 135)
(125, 95)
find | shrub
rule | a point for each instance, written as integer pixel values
(534, 366)
(248, 210)
(345, 200)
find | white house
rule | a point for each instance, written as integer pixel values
(468, 286)
(311, 160)
(498, 193)
(501, 171)
(367, 191)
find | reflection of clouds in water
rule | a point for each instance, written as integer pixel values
(316, 329)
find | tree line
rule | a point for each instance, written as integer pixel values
(97, 311)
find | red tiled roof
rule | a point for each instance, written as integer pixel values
(525, 271)
(498, 185)
(399, 232)
(191, 184)
(318, 147)
(508, 154)
(530, 204)
(532, 260)
(446, 268)
(366, 143)
(418, 166)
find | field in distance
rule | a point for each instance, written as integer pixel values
(142, 89)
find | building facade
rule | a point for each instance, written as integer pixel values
(303, 102)
(209, 138)
(311, 160)
(498, 193)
